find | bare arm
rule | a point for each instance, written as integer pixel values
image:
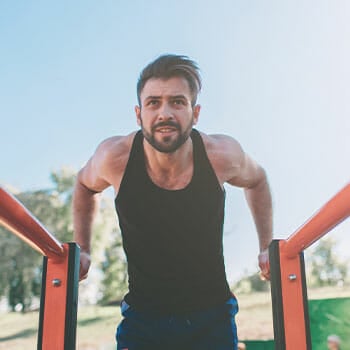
(91, 180)
(105, 168)
(85, 204)
(84, 209)
(253, 179)
(259, 200)
(234, 166)
(260, 204)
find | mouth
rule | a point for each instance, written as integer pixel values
(165, 128)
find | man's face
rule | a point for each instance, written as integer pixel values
(333, 345)
(166, 114)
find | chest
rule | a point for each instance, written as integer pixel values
(170, 181)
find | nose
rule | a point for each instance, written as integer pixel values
(165, 112)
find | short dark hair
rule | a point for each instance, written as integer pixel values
(169, 66)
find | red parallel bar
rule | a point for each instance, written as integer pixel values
(54, 321)
(15, 217)
(330, 215)
(293, 304)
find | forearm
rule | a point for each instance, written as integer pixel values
(260, 204)
(84, 208)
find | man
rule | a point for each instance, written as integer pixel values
(241, 346)
(333, 342)
(168, 179)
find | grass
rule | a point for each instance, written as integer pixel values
(96, 325)
(95, 330)
(254, 319)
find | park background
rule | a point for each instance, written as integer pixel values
(275, 76)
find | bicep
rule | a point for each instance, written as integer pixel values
(90, 177)
(231, 164)
(93, 174)
(248, 173)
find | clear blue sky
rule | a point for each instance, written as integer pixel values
(276, 76)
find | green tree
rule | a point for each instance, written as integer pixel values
(325, 267)
(108, 254)
(114, 282)
(20, 272)
(20, 264)
(251, 283)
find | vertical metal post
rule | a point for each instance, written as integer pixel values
(289, 299)
(59, 299)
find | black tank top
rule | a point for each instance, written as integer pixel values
(173, 238)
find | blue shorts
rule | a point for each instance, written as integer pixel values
(212, 329)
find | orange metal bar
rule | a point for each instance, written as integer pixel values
(58, 307)
(330, 215)
(289, 299)
(15, 217)
(293, 301)
(55, 301)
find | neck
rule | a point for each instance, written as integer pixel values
(170, 170)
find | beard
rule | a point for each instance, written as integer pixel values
(167, 144)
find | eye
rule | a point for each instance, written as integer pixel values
(152, 102)
(179, 102)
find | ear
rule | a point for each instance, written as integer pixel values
(196, 111)
(138, 115)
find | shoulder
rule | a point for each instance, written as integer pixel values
(223, 150)
(225, 155)
(107, 164)
(115, 147)
(231, 164)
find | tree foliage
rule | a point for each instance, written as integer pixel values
(114, 283)
(324, 266)
(20, 272)
(251, 283)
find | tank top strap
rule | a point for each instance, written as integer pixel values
(136, 151)
(135, 157)
(203, 169)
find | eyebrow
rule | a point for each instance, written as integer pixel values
(172, 97)
(178, 96)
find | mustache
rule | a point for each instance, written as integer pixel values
(166, 124)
